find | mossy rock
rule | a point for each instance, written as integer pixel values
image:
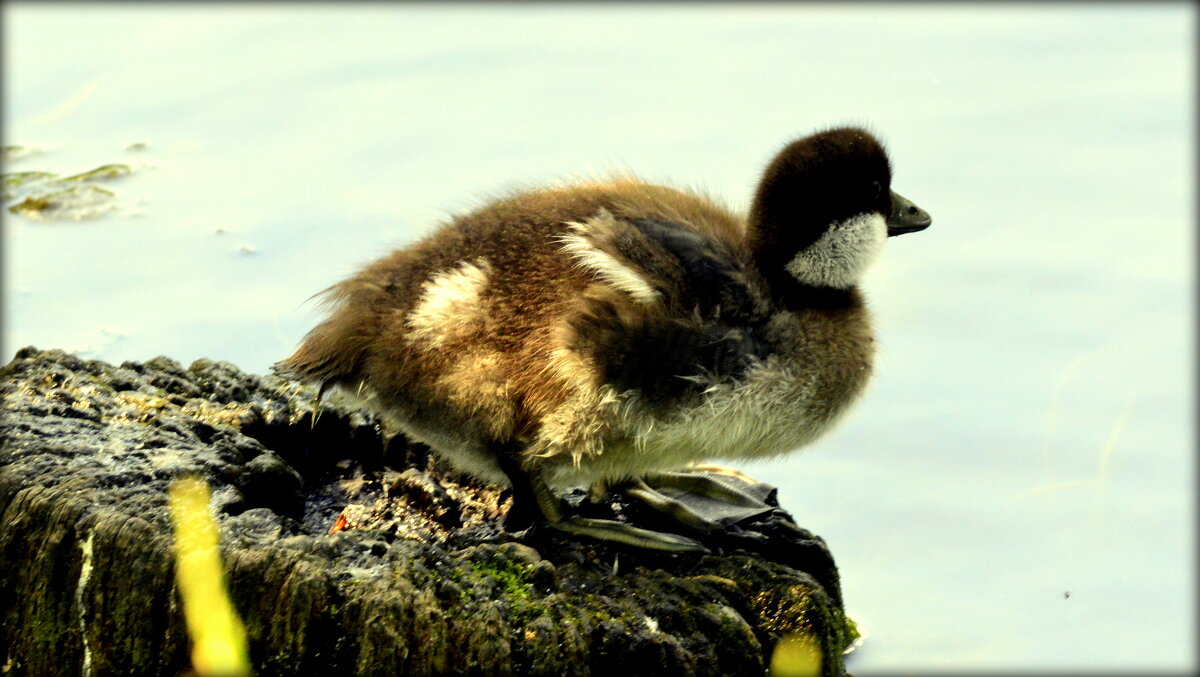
(346, 552)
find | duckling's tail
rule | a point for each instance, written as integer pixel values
(321, 358)
(335, 349)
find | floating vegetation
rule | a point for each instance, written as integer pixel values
(13, 153)
(18, 180)
(102, 173)
(72, 204)
(44, 196)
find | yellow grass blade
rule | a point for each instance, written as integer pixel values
(217, 633)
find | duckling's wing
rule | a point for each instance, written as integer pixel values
(668, 360)
(669, 264)
(710, 280)
(703, 323)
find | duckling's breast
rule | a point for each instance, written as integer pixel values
(818, 365)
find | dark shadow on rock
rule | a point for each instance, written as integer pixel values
(347, 551)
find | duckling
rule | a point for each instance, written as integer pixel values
(601, 333)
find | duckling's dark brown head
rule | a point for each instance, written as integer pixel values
(824, 207)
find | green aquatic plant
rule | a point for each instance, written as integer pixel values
(101, 173)
(75, 203)
(45, 196)
(13, 153)
(16, 180)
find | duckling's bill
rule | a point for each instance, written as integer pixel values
(906, 217)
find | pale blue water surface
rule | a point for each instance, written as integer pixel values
(1029, 432)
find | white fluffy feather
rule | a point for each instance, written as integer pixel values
(841, 256)
(602, 264)
(449, 305)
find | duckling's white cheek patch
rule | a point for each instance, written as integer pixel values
(449, 307)
(840, 257)
(603, 265)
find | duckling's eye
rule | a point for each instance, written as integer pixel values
(876, 189)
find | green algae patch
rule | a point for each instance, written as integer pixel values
(102, 173)
(510, 577)
(22, 185)
(14, 153)
(17, 180)
(76, 203)
(45, 196)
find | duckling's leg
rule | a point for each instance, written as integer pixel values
(531, 495)
(698, 501)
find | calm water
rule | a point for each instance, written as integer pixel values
(1015, 491)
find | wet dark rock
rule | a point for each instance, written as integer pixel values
(268, 481)
(347, 551)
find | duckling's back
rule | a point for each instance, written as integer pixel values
(502, 324)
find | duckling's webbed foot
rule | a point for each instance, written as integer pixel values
(704, 501)
(534, 501)
(620, 532)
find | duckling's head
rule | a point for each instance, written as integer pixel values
(824, 208)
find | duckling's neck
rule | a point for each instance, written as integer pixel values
(771, 258)
(791, 294)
